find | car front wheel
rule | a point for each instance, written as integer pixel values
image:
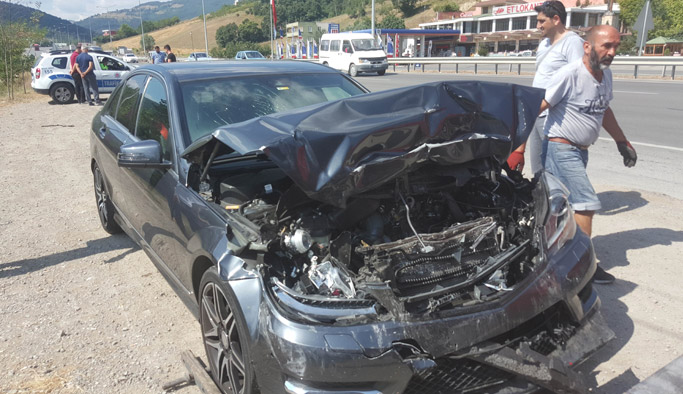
(224, 332)
(353, 71)
(62, 93)
(381, 72)
(105, 208)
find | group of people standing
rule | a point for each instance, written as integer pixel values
(83, 73)
(161, 57)
(578, 89)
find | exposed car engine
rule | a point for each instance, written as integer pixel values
(435, 238)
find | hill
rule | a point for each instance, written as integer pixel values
(188, 36)
(152, 11)
(55, 26)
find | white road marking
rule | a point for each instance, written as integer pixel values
(646, 144)
(628, 91)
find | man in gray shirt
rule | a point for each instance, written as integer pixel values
(578, 99)
(158, 57)
(558, 48)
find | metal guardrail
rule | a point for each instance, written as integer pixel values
(496, 61)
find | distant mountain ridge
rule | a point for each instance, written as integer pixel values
(56, 26)
(152, 11)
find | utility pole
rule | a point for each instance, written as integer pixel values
(142, 30)
(373, 20)
(206, 39)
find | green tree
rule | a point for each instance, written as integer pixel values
(407, 7)
(391, 21)
(126, 31)
(14, 37)
(227, 34)
(149, 44)
(667, 15)
(249, 31)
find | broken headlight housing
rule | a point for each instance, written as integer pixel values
(560, 225)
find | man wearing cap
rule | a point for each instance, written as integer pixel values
(80, 93)
(578, 98)
(558, 48)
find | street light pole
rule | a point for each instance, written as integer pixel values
(206, 39)
(373, 20)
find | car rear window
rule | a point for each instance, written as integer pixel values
(60, 62)
(210, 104)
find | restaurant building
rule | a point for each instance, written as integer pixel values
(509, 26)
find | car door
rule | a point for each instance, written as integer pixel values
(345, 55)
(109, 72)
(151, 193)
(335, 49)
(114, 126)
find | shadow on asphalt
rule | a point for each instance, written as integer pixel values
(616, 202)
(91, 248)
(611, 248)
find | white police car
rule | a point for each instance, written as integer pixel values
(50, 74)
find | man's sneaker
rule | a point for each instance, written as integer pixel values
(602, 277)
(91, 104)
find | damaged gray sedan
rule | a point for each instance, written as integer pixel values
(367, 244)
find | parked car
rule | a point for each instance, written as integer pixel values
(331, 240)
(251, 55)
(50, 74)
(198, 56)
(130, 57)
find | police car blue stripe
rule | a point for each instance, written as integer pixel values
(61, 76)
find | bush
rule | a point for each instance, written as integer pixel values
(446, 7)
(483, 51)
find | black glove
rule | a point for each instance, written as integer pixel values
(628, 153)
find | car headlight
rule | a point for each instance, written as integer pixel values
(560, 225)
(361, 61)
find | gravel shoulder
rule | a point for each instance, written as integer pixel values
(85, 312)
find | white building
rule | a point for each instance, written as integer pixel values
(509, 26)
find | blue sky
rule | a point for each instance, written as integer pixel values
(76, 10)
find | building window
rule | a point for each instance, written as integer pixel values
(519, 23)
(506, 46)
(593, 19)
(467, 27)
(485, 26)
(578, 19)
(484, 10)
(310, 29)
(503, 24)
(533, 22)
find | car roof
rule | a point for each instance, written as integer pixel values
(192, 71)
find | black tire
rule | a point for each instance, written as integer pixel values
(62, 93)
(381, 72)
(105, 208)
(353, 71)
(225, 336)
(325, 64)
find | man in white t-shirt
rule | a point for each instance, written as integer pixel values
(578, 99)
(558, 48)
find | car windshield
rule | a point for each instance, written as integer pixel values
(365, 45)
(201, 54)
(254, 55)
(210, 104)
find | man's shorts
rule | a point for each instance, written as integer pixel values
(568, 163)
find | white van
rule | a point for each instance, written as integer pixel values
(353, 52)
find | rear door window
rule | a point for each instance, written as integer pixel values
(60, 62)
(128, 105)
(325, 45)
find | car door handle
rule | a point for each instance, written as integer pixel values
(103, 131)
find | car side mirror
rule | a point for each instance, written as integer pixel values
(145, 154)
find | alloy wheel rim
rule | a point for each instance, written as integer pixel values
(62, 94)
(221, 340)
(101, 197)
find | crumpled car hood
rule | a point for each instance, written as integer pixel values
(340, 148)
